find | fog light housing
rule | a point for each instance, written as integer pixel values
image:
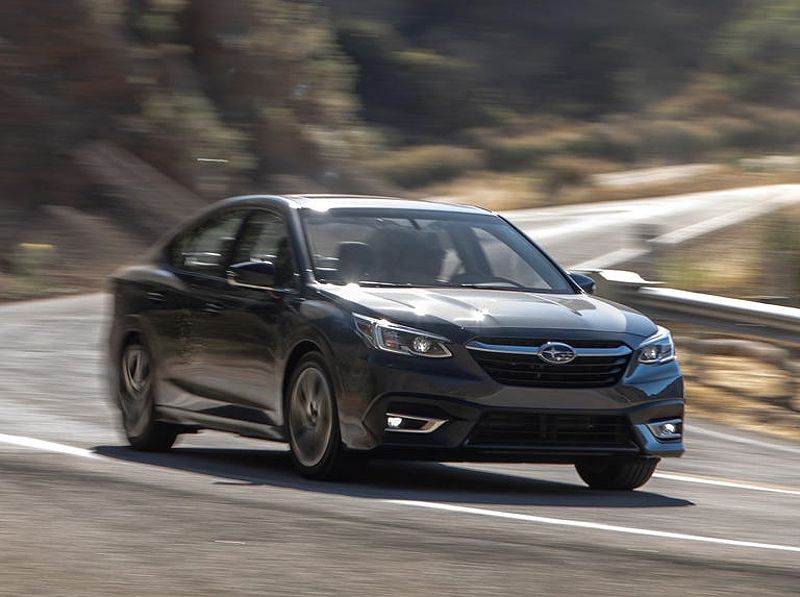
(394, 422)
(412, 424)
(667, 430)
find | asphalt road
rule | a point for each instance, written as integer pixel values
(606, 233)
(80, 514)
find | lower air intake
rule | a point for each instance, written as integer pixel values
(552, 430)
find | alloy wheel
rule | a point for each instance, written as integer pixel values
(136, 378)
(311, 416)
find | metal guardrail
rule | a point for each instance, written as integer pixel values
(746, 319)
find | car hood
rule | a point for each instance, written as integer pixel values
(479, 310)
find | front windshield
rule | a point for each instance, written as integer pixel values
(424, 248)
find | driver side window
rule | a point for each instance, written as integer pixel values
(266, 240)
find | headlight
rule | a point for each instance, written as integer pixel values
(658, 348)
(396, 338)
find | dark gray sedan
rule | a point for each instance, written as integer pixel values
(358, 327)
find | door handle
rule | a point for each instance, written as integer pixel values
(213, 308)
(156, 297)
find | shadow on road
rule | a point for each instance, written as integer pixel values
(391, 480)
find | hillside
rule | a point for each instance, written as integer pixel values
(120, 116)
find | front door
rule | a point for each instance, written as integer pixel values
(243, 333)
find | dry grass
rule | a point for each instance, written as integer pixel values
(541, 160)
(745, 261)
(506, 190)
(418, 166)
(492, 190)
(752, 402)
(726, 178)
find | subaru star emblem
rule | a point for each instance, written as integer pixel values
(557, 353)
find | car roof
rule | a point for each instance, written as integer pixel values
(324, 202)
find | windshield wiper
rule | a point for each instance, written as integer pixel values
(488, 286)
(378, 284)
(398, 285)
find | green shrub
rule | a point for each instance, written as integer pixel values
(427, 164)
(740, 133)
(778, 128)
(561, 174)
(756, 53)
(781, 245)
(511, 155)
(611, 142)
(28, 265)
(29, 259)
(678, 141)
(192, 118)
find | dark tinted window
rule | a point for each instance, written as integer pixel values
(205, 247)
(426, 248)
(266, 239)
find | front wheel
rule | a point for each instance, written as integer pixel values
(618, 474)
(313, 422)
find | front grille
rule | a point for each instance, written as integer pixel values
(540, 341)
(551, 430)
(518, 369)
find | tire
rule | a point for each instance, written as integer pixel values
(617, 474)
(135, 392)
(312, 423)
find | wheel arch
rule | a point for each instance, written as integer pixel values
(127, 330)
(298, 351)
(128, 337)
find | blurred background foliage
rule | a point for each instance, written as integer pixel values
(119, 116)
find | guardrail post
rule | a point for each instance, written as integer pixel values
(651, 262)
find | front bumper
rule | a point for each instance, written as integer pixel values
(460, 437)
(459, 393)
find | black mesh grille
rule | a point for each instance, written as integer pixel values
(529, 370)
(552, 430)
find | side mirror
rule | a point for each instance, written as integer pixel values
(586, 283)
(252, 274)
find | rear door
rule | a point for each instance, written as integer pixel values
(198, 258)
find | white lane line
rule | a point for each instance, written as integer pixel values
(725, 483)
(670, 476)
(591, 525)
(40, 444)
(694, 429)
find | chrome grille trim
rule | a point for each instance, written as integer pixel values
(619, 351)
(510, 362)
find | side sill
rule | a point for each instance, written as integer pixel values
(192, 419)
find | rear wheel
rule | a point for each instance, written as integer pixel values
(137, 402)
(619, 474)
(313, 423)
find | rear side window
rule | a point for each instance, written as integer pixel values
(205, 247)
